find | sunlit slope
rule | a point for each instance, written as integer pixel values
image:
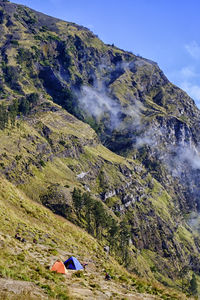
(131, 182)
(52, 149)
(57, 238)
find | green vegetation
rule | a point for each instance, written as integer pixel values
(193, 286)
(55, 183)
(24, 105)
(30, 262)
(93, 216)
(126, 198)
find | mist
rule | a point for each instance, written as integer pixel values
(96, 102)
(191, 155)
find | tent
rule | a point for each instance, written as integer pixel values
(59, 267)
(73, 264)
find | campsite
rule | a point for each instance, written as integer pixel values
(71, 263)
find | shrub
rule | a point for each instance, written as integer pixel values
(42, 163)
(3, 116)
(79, 274)
(18, 157)
(15, 42)
(61, 142)
(53, 251)
(1, 16)
(24, 56)
(11, 75)
(24, 106)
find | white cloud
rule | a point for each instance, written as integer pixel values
(193, 49)
(190, 155)
(188, 79)
(188, 72)
(193, 90)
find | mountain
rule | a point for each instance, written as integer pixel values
(101, 137)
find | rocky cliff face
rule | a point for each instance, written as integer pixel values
(138, 154)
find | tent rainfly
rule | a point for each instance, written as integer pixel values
(59, 267)
(73, 264)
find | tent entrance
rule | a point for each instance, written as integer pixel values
(70, 265)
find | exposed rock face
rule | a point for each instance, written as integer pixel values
(136, 113)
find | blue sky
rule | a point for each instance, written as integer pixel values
(166, 31)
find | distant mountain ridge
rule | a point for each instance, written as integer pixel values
(103, 138)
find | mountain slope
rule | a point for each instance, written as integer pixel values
(21, 263)
(143, 184)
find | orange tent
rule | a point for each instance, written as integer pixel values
(59, 267)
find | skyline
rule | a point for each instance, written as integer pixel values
(163, 32)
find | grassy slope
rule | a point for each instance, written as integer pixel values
(57, 238)
(25, 141)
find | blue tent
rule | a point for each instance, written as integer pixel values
(73, 264)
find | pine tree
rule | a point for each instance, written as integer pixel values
(193, 285)
(113, 232)
(89, 204)
(24, 106)
(100, 218)
(3, 116)
(124, 239)
(78, 201)
(13, 111)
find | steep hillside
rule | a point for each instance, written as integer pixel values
(102, 138)
(24, 267)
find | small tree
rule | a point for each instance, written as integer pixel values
(100, 218)
(33, 98)
(13, 111)
(113, 232)
(77, 200)
(24, 106)
(3, 116)
(182, 274)
(193, 285)
(124, 239)
(88, 206)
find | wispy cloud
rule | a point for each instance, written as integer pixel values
(184, 74)
(193, 48)
(193, 90)
(188, 79)
(188, 72)
(96, 102)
